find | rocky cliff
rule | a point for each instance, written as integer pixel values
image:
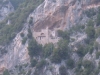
(60, 14)
(5, 9)
(47, 18)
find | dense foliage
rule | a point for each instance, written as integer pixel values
(6, 72)
(17, 19)
(48, 49)
(61, 52)
(34, 48)
(70, 63)
(90, 29)
(63, 34)
(62, 70)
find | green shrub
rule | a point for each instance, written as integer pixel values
(98, 20)
(90, 13)
(88, 67)
(89, 48)
(61, 52)
(41, 64)
(3, 51)
(6, 72)
(79, 65)
(63, 48)
(96, 72)
(29, 35)
(96, 45)
(20, 67)
(22, 34)
(24, 40)
(90, 31)
(97, 32)
(34, 48)
(82, 51)
(29, 72)
(56, 58)
(62, 70)
(99, 65)
(33, 62)
(76, 28)
(31, 21)
(48, 49)
(90, 23)
(70, 63)
(87, 64)
(97, 55)
(63, 34)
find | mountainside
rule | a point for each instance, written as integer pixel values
(51, 37)
(60, 15)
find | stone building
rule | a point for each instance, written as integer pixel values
(46, 36)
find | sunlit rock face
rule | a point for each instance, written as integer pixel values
(50, 16)
(59, 14)
(17, 53)
(5, 9)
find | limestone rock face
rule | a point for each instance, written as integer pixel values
(5, 9)
(17, 53)
(50, 16)
(59, 14)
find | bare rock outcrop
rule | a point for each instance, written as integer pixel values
(59, 14)
(48, 17)
(5, 9)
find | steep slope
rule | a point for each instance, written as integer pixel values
(77, 51)
(55, 15)
(10, 34)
